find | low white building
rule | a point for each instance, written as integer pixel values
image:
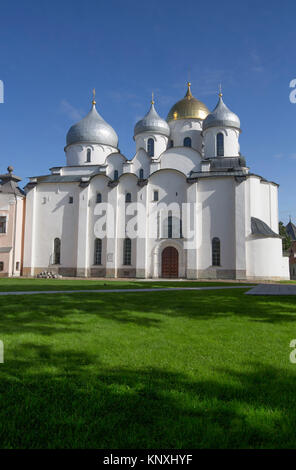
(186, 205)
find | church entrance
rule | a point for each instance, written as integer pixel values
(170, 262)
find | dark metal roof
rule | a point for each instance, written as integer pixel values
(259, 227)
(291, 230)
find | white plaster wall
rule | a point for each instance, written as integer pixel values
(182, 128)
(216, 209)
(76, 154)
(263, 200)
(183, 159)
(53, 218)
(231, 142)
(140, 161)
(265, 260)
(160, 142)
(114, 162)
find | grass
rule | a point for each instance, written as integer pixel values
(207, 369)
(31, 284)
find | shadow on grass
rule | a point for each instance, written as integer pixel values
(67, 399)
(61, 313)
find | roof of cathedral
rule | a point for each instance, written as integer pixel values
(152, 122)
(221, 116)
(93, 129)
(258, 227)
(188, 108)
(291, 230)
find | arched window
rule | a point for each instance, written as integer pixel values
(98, 251)
(115, 175)
(171, 143)
(128, 197)
(57, 251)
(150, 147)
(141, 173)
(220, 145)
(155, 195)
(170, 225)
(216, 255)
(127, 252)
(99, 197)
(187, 142)
(88, 155)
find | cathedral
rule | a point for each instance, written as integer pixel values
(185, 206)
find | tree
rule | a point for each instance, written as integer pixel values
(286, 239)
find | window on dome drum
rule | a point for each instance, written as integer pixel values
(57, 251)
(98, 251)
(88, 155)
(99, 197)
(187, 142)
(127, 252)
(150, 147)
(128, 197)
(115, 175)
(155, 195)
(1, 266)
(71, 200)
(2, 224)
(220, 145)
(141, 173)
(216, 255)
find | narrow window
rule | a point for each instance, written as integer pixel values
(2, 224)
(127, 252)
(128, 197)
(220, 145)
(115, 175)
(98, 251)
(170, 226)
(17, 266)
(216, 251)
(187, 142)
(171, 143)
(150, 147)
(57, 251)
(88, 155)
(99, 197)
(141, 174)
(155, 196)
(1, 266)
(71, 200)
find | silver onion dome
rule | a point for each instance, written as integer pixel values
(221, 116)
(93, 129)
(152, 122)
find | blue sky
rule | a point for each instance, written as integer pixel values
(53, 53)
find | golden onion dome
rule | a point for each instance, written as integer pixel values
(188, 108)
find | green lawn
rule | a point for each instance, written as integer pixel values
(147, 370)
(30, 284)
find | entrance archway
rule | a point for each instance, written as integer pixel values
(170, 262)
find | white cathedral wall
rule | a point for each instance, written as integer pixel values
(76, 154)
(183, 159)
(231, 142)
(216, 209)
(182, 128)
(50, 216)
(265, 260)
(114, 162)
(140, 161)
(160, 142)
(263, 197)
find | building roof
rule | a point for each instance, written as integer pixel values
(152, 122)
(291, 230)
(9, 183)
(258, 227)
(92, 129)
(188, 108)
(221, 116)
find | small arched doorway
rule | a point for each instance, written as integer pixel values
(170, 262)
